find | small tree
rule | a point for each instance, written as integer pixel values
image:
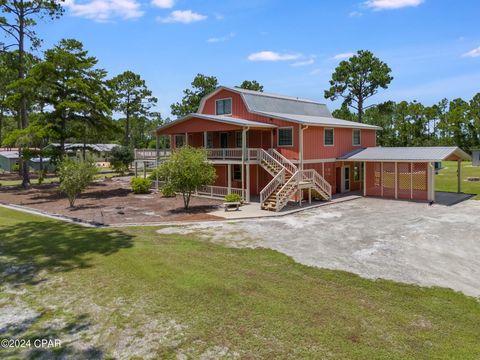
(75, 177)
(121, 157)
(187, 170)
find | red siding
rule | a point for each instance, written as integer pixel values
(199, 126)
(314, 148)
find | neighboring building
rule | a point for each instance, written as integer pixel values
(476, 157)
(290, 146)
(99, 152)
(10, 160)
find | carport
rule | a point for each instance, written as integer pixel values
(404, 172)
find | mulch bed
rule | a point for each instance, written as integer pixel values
(110, 202)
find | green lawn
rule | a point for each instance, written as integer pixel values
(141, 293)
(446, 180)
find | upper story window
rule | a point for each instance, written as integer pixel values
(328, 137)
(223, 106)
(356, 137)
(238, 139)
(285, 136)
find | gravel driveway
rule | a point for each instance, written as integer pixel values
(398, 240)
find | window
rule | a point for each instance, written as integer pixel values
(237, 172)
(179, 141)
(358, 172)
(238, 139)
(356, 137)
(209, 140)
(224, 106)
(285, 136)
(328, 138)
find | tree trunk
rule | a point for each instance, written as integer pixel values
(62, 138)
(360, 110)
(23, 101)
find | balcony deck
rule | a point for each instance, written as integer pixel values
(216, 155)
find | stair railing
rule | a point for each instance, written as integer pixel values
(277, 181)
(291, 168)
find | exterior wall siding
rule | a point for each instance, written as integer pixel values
(314, 148)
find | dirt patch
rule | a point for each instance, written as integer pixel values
(110, 202)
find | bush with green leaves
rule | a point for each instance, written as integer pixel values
(120, 158)
(153, 175)
(187, 170)
(168, 190)
(141, 185)
(75, 177)
(233, 198)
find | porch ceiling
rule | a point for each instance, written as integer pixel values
(418, 154)
(215, 123)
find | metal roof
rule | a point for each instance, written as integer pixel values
(95, 147)
(437, 153)
(9, 154)
(320, 120)
(222, 119)
(257, 101)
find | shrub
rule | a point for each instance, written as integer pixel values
(153, 175)
(187, 169)
(75, 177)
(233, 198)
(168, 190)
(141, 185)
(120, 158)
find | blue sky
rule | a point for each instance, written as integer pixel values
(291, 47)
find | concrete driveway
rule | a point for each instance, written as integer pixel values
(398, 240)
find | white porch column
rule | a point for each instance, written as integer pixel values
(396, 181)
(248, 183)
(205, 139)
(364, 178)
(300, 146)
(431, 181)
(459, 178)
(244, 148)
(229, 176)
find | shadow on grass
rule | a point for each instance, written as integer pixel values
(30, 247)
(72, 336)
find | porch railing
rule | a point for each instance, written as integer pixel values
(151, 154)
(218, 191)
(268, 190)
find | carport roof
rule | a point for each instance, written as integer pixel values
(221, 119)
(427, 154)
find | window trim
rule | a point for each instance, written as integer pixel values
(231, 106)
(333, 137)
(278, 136)
(359, 137)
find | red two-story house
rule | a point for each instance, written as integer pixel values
(278, 148)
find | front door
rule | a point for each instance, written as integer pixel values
(345, 179)
(224, 140)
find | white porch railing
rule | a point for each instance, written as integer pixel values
(318, 180)
(151, 154)
(287, 164)
(225, 154)
(278, 180)
(218, 191)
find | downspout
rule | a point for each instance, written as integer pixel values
(300, 145)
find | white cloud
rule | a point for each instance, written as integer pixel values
(304, 62)
(221, 39)
(272, 56)
(391, 4)
(316, 72)
(473, 53)
(183, 16)
(164, 4)
(343, 56)
(105, 10)
(355, 14)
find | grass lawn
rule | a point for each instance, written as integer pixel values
(133, 293)
(446, 180)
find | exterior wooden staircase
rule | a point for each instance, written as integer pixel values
(288, 180)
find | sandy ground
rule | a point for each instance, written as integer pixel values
(110, 201)
(398, 240)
